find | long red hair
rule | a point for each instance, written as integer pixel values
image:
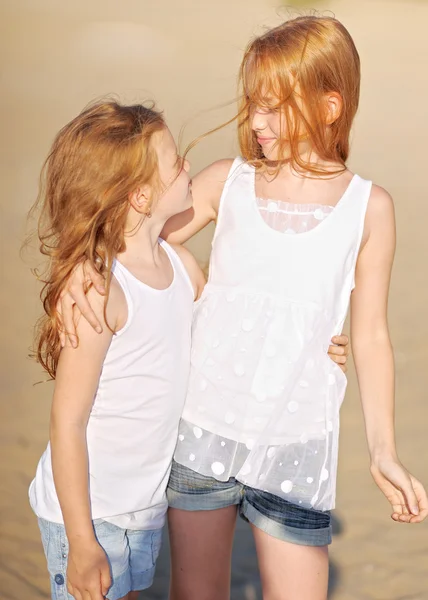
(306, 57)
(309, 56)
(95, 162)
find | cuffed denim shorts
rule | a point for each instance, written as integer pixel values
(188, 490)
(132, 556)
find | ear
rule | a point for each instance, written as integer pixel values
(334, 105)
(140, 200)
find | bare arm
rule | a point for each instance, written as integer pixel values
(75, 387)
(374, 359)
(207, 187)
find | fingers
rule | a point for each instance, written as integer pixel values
(341, 341)
(69, 329)
(413, 506)
(339, 358)
(95, 594)
(96, 278)
(422, 500)
(411, 501)
(338, 351)
(105, 581)
(76, 594)
(82, 304)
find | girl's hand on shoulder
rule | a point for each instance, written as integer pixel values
(73, 301)
(405, 493)
(339, 351)
(88, 572)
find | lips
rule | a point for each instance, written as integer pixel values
(264, 140)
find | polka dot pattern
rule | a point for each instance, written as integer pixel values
(218, 468)
(230, 417)
(247, 325)
(287, 486)
(270, 409)
(197, 432)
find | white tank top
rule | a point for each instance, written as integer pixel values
(264, 397)
(133, 426)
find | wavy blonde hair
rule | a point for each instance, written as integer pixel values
(96, 161)
(309, 57)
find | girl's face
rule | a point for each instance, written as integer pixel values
(270, 126)
(175, 195)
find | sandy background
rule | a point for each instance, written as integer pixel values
(54, 58)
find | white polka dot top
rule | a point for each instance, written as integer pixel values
(264, 397)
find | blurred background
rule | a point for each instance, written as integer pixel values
(55, 57)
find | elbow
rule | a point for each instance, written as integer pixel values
(370, 337)
(61, 428)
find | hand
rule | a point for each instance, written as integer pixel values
(339, 351)
(73, 301)
(88, 572)
(405, 493)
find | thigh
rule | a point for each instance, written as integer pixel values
(201, 553)
(291, 571)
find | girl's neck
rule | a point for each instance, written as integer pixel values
(286, 171)
(142, 240)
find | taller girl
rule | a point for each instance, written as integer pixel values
(260, 426)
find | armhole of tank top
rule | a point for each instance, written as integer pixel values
(177, 264)
(120, 275)
(366, 197)
(238, 161)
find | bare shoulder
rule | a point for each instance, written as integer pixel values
(380, 219)
(380, 204)
(217, 171)
(192, 267)
(214, 176)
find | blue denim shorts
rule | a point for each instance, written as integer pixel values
(188, 490)
(132, 556)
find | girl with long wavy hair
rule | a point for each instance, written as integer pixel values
(111, 181)
(298, 237)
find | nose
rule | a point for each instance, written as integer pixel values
(259, 120)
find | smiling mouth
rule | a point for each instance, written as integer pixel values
(263, 140)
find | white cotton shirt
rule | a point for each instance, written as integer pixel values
(133, 425)
(264, 397)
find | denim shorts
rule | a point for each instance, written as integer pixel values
(188, 490)
(132, 556)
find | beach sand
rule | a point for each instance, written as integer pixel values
(55, 58)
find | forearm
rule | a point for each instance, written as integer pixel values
(70, 470)
(374, 364)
